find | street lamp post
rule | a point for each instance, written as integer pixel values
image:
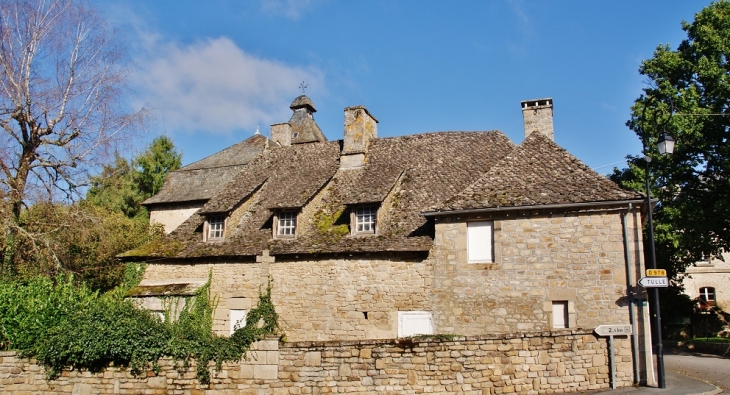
(665, 146)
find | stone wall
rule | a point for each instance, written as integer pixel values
(578, 258)
(535, 363)
(713, 273)
(539, 258)
(172, 215)
(347, 298)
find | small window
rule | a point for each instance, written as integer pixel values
(412, 323)
(215, 227)
(237, 318)
(707, 295)
(364, 219)
(286, 224)
(480, 235)
(560, 314)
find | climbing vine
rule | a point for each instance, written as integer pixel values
(62, 325)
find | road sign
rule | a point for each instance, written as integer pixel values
(654, 282)
(656, 273)
(613, 330)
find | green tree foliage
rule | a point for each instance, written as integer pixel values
(124, 185)
(117, 190)
(62, 325)
(689, 97)
(62, 84)
(154, 164)
(82, 239)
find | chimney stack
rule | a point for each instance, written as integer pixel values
(281, 133)
(360, 128)
(538, 116)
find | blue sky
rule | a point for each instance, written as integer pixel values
(211, 72)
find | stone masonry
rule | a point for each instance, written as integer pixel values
(538, 258)
(530, 363)
(347, 298)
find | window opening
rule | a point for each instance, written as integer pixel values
(411, 323)
(707, 295)
(215, 227)
(480, 236)
(287, 223)
(237, 318)
(365, 219)
(560, 314)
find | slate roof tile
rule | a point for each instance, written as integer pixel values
(201, 180)
(414, 172)
(538, 172)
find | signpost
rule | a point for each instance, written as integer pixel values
(611, 331)
(654, 282)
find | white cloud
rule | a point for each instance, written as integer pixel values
(215, 86)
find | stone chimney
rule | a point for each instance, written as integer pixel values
(538, 116)
(301, 128)
(281, 133)
(360, 128)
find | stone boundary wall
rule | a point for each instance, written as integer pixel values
(537, 363)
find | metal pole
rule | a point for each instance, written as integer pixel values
(630, 291)
(654, 291)
(613, 363)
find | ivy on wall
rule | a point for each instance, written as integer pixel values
(63, 325)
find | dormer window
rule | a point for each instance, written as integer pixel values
(216, 226)
(286, 224)
(364, 219)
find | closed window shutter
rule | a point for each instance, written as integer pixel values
(238, 319)
(414, 323)
(479, 241)
(560, 314)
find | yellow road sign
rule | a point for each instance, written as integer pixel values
(656, 272)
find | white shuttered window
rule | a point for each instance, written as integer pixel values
(560, 314)
(238, 319)
(479, 241)
(414, 323)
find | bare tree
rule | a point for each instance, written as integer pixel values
(62, 78)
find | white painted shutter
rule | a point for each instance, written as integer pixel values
(479, 241)
(414, 323)
(560, 314)
(237, 317)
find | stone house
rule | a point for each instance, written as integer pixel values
(708, 281)
(374, 238)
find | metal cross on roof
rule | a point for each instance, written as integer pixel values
(303, 87)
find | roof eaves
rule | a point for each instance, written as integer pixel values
(536, 207)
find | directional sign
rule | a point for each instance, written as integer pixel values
(613, 330)
(656, 273)
(654, 282)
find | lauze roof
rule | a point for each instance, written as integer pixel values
(203, 179)
(404, 177)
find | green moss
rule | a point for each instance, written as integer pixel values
(325, 222)
(163, 290)
(160, 248)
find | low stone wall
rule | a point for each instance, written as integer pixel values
(536, 363)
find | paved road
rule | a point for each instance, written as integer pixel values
(708, 368)
(687, 374)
